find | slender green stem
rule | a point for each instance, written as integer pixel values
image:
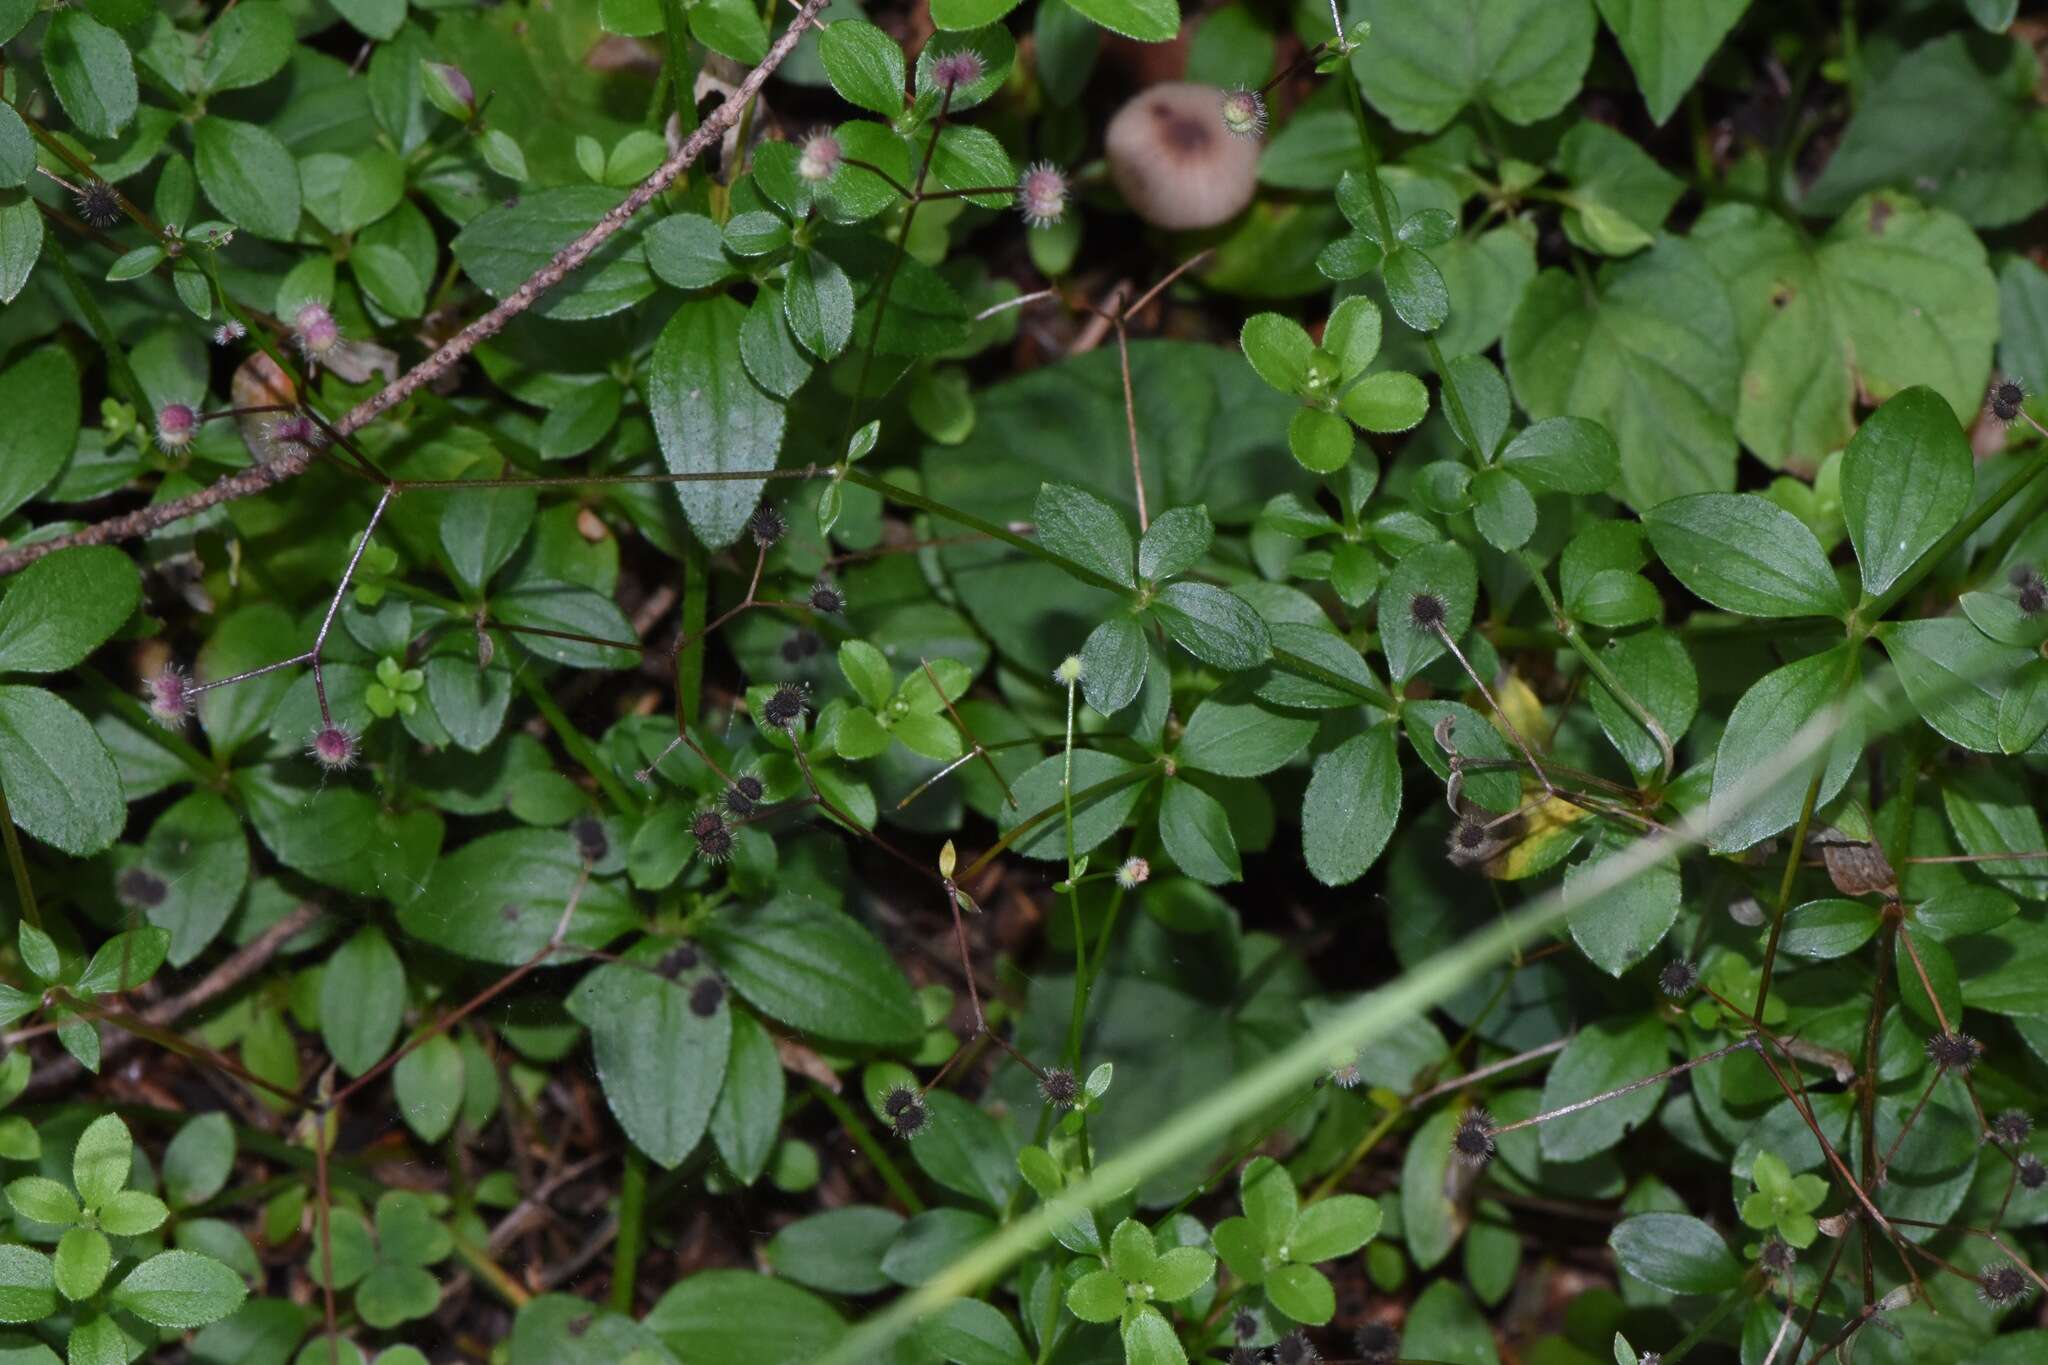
(1598, 666)
(1073, 893)
(1872, 611)
(1784, 903)
(690, 661)
(120, 375)
(579, 748)
(23, 888)
(1732, 1300)
(632, 1224)
(870, 1147)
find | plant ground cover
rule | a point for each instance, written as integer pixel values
(1023, 684)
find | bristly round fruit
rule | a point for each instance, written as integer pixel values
(905, 1109)
(176, 425)
(1378, 1343)
(766, 526)
(169, 693)
(2005, 400)
(1244, 1324)
(1777, 1256)
(1678, 978)
(743, 795)
(827, 598)
(1427, 611)
(296, 433)
(714, 838)
(1059, 1087)
(1296, 1349)
(1133, 873)
(141, 888)
(958, 68)
(97, 203)
(591, 840)
(1472, 1143)
(820, 157)
(2032, 590)
(2033, 1175)
(229, 331)
(706, 996)
(2002, 1284)
(2012, 1127)
(1042, 194)
(784, 707)
(333, 747)
(1953, 1051)
(1244, 112)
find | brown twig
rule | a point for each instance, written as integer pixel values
(262, 477)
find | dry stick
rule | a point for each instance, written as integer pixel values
(261, 477)
(1121, 314)
(972, 738)
(1490, 1070)
(1747, 1041)
(1480, 683)
(235, 969)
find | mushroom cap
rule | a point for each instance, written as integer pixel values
(1176, 164)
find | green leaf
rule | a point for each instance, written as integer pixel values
(28, 1285)
(1279, 350)
(1232, 737)
(1195, 831)
(124, 962)
(249, 176)
(92, 73)
(1320, 441)
(1174, 543)
(1954, 677)
(64, 606)
(1390, 401)
(1428, 59)
(1619, 197)
(481, 529)
(970, 1332)
(710, 418)
(380, 19)
(21, 242)
(499, 897)
(1076, 525)
(1349, 809)
(1267, 1193)
(818, 301)
(959, 15)
(199, 1160)
(1149, 21)
(81, 1263)
(967, 1150)
(1618, 927)
(427, 1082)
(661, 1047)
(1333, 1227)
(864, 65)
(246, 46)
(1667, 45)
(1654, 668)
(1982, 158)
(933, 1241)
(1906, 480)
(1132, 1252)
(1113, 664)
(1216, 626)
(838, 1251)
(688, 251)
(40, 1199)
(1600, 1057)
(40, 392)
(1564, 455)
(814, 969)
(180, 1289)
(748, 1115)
(1828, 928)
(362, 1000)
(1652, 356)
(1743, 808)
(1302, 1293)
(1416, 288)
(1745, 554)
(61, 784)
(17, 149)
(99, 1164)
(1676, 1253)
(1443, 571)
(132, 1213)
(1894, 295)
(1443, 1324)
(1096, 1297)
(1503, 509)
(731, 28)
(504, 245)
(1095, 818)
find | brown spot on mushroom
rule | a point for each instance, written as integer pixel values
(1175, 163)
